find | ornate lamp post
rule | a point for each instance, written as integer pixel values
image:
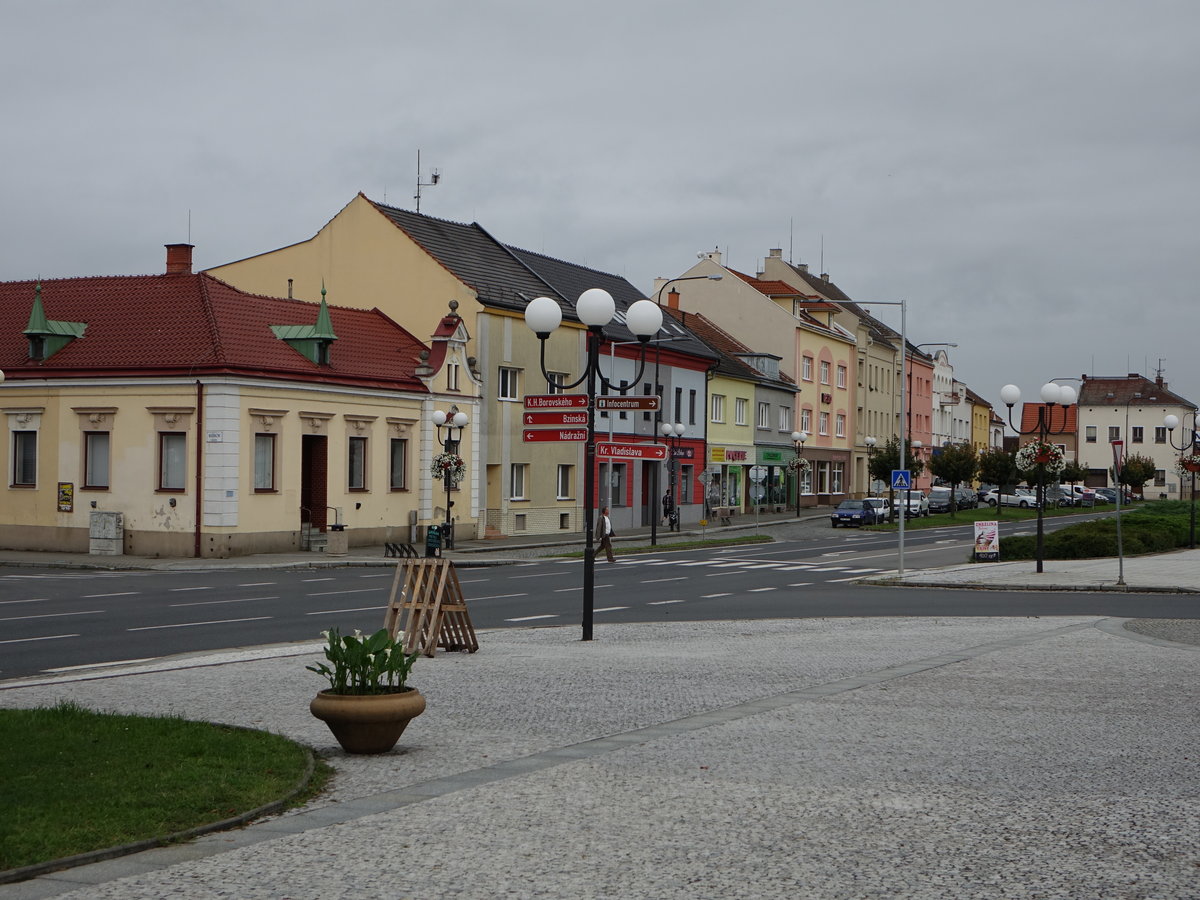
(449, 462)
(1052, 395)
(673, 435)
(1189, 462)
(799, 464)
(595, 308)
(870, 441)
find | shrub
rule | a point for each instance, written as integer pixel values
(1154, 528)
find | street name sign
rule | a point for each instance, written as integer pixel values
(605, 450)
(575, 417)
(556, 401)
(650, 404)
(534, 435)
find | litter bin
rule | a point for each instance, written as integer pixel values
(337, 541)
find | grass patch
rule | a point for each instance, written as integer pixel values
(981, 513)
(1155, 526)
(76, 780)
(681, 545)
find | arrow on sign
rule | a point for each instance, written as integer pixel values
(606, 450)
(534, 435)
(555, 418)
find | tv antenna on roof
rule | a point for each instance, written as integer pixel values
(433, 179)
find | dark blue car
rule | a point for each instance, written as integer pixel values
(870, 511)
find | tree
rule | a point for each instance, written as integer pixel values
(998, 467)
(1136, 470)
(1073, 473)
(887, 458)
(956, 464)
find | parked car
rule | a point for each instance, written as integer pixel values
(917, 503)
(939, 499)
(1106, 495)
(868, 511)
(1022, 497)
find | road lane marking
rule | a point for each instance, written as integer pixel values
(801, 584)
(665, 602)
(759, 590)
(738, 571)
(117, 594)
(531, 618)
(48, 637)
(564, 590)
(381, 575)
(84, 612)
(305, 580)
(538, 575)
(338, 593)
(497, 597)
(335, 612)
(31, 600)
(194, 624)
(661, 580)
(257, 584)
(609, 608)
(199, 588)
(714, 596)
(215, 602)
(840, 580)
(101, 665)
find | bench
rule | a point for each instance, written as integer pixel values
(724, 513)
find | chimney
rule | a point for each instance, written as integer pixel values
(825, 276)
(672, 299)
(179, 259)
(803, 267)
(775, 253)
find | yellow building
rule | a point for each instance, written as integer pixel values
(372, 255)
(172, 415)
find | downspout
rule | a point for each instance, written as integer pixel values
(199, 465)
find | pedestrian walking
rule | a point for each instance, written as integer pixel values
(606, 534)
(668, 506)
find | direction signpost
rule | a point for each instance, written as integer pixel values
(643, 404)
(607, 450)
(538, 435)
(575, 417)
(556, 401)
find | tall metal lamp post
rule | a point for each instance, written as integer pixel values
(870, 441)
(449, 441)
(1172, 422)
(1052, 395)
(673, 435)
(798, 438)
(595, 309)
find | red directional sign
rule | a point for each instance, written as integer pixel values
(556, 401)
(605, 450)
(534, 435)
(646, 403)
(575, 417)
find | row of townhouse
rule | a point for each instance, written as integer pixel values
(1129, 410)
(220, 414)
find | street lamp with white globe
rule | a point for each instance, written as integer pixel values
(595, 308)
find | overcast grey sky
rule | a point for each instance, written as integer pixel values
(1026, 174)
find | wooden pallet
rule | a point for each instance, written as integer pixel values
(430, 610)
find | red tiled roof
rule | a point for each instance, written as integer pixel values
(198, 325)
(1054, 418)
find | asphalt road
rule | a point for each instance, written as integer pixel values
(52, 620)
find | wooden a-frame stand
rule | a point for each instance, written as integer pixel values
(430, 610)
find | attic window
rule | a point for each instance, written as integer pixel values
(47, 336)
(312, 341)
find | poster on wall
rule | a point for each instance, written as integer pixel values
(987, 542)
(66, 496)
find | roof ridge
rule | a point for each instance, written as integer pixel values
(210, 318)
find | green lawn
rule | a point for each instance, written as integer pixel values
(76, 780)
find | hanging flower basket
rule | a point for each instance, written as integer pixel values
(1188, 464)
(449, 465)
(1041, 454)
(799, 464)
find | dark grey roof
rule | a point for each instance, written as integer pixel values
(508, 277)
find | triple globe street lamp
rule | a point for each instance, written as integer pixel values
(595, 308)
(799, 464)
(673, 435)
(449, 462)
(1052, 395)
(1172, 422)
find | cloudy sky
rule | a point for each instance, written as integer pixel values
(1026, 174)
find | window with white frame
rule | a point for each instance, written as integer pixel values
(785, 419)
(452, 376)
(739, 411)
(264, 463)
(836, 476)
(172, 461)
(1138, 433)
(841, 376)
(508, 388)
(806, 368)
(618, 485)
(840, 423)
(824, 371)
(1089, 434)
(554, 384)
(356, 464)
(823, 423)
(24, 458)
(1160, 434)
(806, 421)
(96, 449)
(692, 408)
(718, 407)
(566, 482)
(516, 481)
(686, 477)
(398, 464)
(1114, 433)
(763, 417)
(822, 477)
(1160, 477)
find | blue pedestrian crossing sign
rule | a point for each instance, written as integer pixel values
(901, 480)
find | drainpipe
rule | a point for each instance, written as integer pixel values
(199, 465)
